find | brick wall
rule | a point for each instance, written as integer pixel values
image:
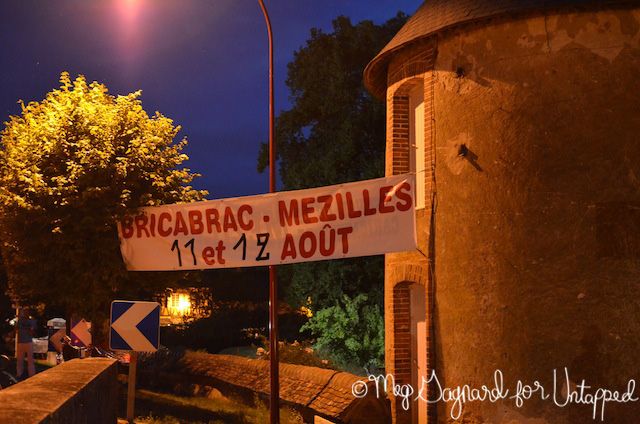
(398, 145)
(402, 332)
(406, 72)
(402, 345)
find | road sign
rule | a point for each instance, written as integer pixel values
(81, 333)
(57, 329)
(55, 339)
(135, 326)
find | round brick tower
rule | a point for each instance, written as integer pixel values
(522, 121)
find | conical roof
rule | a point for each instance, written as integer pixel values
(439, 15)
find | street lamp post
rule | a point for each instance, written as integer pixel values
(274, 400)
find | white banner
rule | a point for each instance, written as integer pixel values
(342, 221)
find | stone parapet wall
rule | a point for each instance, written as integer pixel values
(309, 390)
(78, 391)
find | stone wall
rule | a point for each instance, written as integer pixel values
(79, 391)
(309, 390)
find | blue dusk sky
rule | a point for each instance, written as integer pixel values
(202, 63)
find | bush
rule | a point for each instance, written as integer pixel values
(350, 333)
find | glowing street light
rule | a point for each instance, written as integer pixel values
(179, 304)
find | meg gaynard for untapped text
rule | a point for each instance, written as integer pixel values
(563, 393)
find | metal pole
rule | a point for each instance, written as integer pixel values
(131, 386)
(274, 400)
(17, 330)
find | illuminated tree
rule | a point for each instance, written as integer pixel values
(70, 166)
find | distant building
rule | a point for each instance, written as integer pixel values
(180, 306)
(521, 119)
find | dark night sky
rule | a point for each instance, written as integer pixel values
(202, 63)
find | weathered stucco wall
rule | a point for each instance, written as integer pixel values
(537, 231)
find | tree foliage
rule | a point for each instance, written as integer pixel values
(70, 167)
(351, 333)
(335, 130)
(333, 133)
(320, 285)
(6, 311)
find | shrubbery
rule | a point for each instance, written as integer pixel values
(351, 333)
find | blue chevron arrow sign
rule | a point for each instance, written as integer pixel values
(135, 326)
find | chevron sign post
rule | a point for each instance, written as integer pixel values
(81, 333)
(135, 326)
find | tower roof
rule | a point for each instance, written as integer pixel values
(438, 15)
